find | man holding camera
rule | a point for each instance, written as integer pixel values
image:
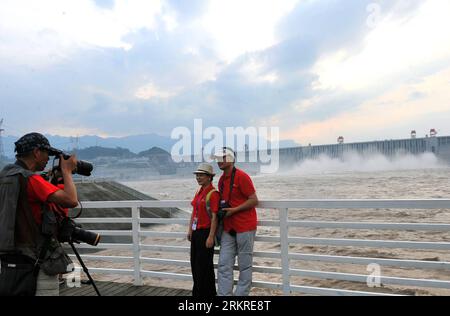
(239, 225)
(25, 196)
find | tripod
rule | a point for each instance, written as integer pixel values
(85, 269)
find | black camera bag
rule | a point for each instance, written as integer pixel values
(18, 276)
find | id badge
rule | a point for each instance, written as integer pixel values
(194, 223)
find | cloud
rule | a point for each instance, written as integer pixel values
(271, 80)
(392, 113)
(392, 51)
(383, 60)
(416, 95)
(150, 91)
(188, 10)
(106, 4)
(334, 23)
(240, 27)
(104, 88)
(149, 66)
(47, 32)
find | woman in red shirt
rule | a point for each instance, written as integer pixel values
(202, 231)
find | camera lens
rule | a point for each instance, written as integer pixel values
(86, 236)
(84, 168)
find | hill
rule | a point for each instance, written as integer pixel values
(160, 159)
(97, 151)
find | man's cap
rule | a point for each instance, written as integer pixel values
(30, 141)
(205, 168)
(224, 152)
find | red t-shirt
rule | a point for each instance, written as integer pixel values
(63, 211)
(242, 221)
(38, 192)
(199, 204)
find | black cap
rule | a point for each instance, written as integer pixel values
(30, 141)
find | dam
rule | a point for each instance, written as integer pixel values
(440, 146)
(390, 148)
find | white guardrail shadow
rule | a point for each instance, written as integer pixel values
(283, 224)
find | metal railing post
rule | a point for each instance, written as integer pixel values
(284, 233)
(135, 214)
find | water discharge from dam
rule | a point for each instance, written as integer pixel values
(356, 162)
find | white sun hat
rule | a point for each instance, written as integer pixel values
(205, 168)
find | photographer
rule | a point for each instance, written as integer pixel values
(25, 200)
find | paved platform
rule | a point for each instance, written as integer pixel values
(121, 289)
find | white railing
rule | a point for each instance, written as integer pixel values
(285, 240)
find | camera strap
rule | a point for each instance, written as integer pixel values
(48, 228)
(221, 188)
(42, 253)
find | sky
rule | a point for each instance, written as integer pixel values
(317, 69)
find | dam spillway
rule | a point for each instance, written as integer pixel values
(440, 146)
(251, 160)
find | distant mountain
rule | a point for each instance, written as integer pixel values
(160, 159)
(155, 151)
(97, 151)
(135, 143)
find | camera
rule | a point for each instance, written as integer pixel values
(221, 213)
(70, 231)
(84, 168)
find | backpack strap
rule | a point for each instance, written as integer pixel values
(208, 210)
(208, 202)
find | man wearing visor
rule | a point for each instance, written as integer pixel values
(238, 201)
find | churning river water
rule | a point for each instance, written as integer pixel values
(407, 177)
